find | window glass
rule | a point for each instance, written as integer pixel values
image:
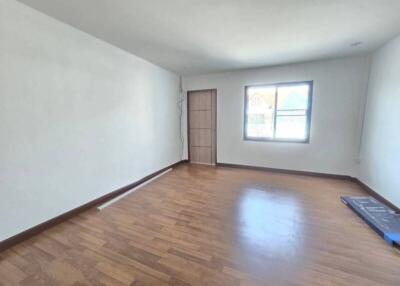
(291, 127)
(293, 97)
(278, 112)
(260, 112)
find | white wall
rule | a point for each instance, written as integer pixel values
(380, 152)
(79, 118)
(339, 90)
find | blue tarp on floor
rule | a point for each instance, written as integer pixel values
(381, 218)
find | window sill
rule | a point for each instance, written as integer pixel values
(307, 141)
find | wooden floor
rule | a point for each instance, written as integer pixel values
(212, 226)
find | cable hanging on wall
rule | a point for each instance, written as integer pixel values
(181, 100)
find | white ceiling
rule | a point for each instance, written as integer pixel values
(199, 36)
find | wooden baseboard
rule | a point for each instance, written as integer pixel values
(285, 171)
(377, 196)
(5, 244)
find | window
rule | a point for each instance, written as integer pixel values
(278, 112)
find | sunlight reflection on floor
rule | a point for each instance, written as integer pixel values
(269, 223)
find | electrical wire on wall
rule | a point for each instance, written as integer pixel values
(363, 114)
(181, 100)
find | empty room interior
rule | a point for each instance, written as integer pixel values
(190, 143)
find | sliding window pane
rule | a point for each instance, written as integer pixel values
(291, 127)
(260, 112)
(293, 97)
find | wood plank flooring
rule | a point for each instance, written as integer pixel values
(202, 225)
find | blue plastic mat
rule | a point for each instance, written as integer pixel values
(381, 218)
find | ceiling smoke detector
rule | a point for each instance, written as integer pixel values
(355, 44)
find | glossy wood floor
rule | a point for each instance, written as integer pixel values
(212, 226)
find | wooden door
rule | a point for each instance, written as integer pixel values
(202, 126)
